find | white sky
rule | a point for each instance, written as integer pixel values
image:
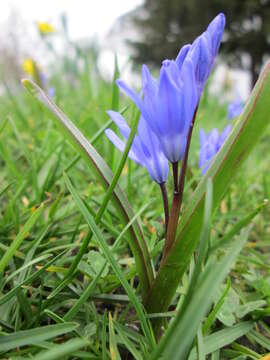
(86, 17)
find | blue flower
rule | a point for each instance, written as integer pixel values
(145, 149)
(44, 83)
(235, 108)
(169, 103)
(210, 145)
(204, 49)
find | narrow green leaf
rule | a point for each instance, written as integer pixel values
(20, 237)
(112, 339)
(101, 209)
(186, 323)
(90, 288)
(224, 337)
(200, 344)
(229, 237)
(28, 280)
(104, 175)
(104, 336)
(211, 317)
(114, 264)
(26, 265)
(244, 136)
(27, 337)
(128, 344)
(58, 351)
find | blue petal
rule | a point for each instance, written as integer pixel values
(225, 133)
(148, 82)
(120, 145)
(213, 139)
(202, 60)
(216, 29)
(203, 138)
(51, 92)
(182, 55)
(158, 168)
(169, 105)
(133, 96)
(155, 160)
(120, 122)
(190, 96)
(235, 108)
(173, 71)
(125, 131)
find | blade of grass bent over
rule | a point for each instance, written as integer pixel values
(36, 335)
(101, 210)
(104, 175)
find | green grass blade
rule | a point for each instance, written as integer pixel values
(128, 344)
(178, 339)
(114, 264)
(27, 337)
(244, 136)
(211, 317)
(89, 289)
(223, 337)
(102, 208)
(58, 351)
(104, 175)
(104, 336)
(227, 238)
(28, 280)
(20, 237)
(112, 340)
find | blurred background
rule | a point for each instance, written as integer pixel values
(138, 31)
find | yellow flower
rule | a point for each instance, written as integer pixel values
(29, 66)
(45, 28)
(267, 357)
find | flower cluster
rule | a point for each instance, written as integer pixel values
(168, 104)
(210, 145)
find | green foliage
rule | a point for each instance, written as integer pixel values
(50, 199)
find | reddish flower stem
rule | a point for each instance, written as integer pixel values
(178, 197)
(165, 203)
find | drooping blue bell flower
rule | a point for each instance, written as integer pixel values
(145, 149)
(209, 146)
(235, 108)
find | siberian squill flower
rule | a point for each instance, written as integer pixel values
(169, 103)
(145, 149)
(235, 108)
(210, 144)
